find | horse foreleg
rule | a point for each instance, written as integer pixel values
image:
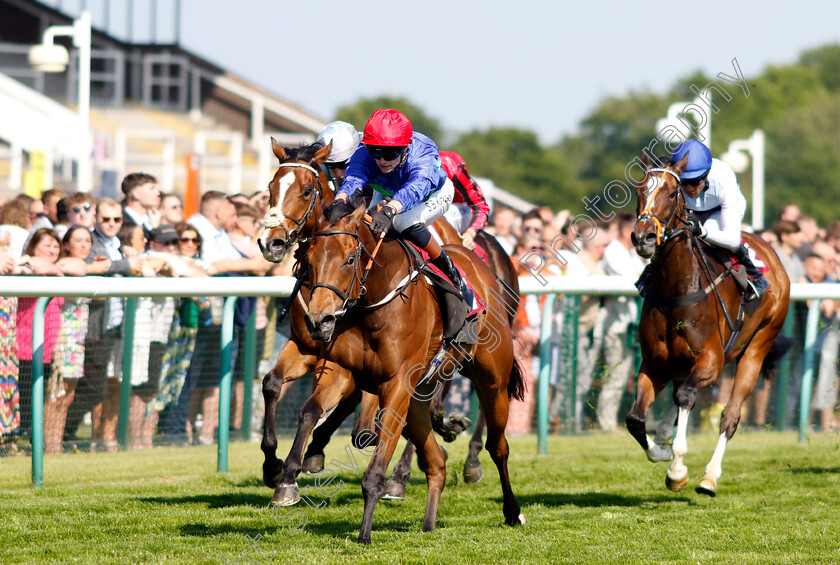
(677, 474)
(665, 429)
(473, 472)
(391, 420)
(313, 459)
(430, 458)
(291, 364)
(646, 392)
(332, 385)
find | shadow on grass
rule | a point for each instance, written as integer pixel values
(211, 500)
(213, 530)
(815, 471)
(594, 499)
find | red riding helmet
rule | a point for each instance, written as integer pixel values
(387, 128)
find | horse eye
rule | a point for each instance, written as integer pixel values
(351, 259)
(307, 192)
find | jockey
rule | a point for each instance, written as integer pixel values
(404, 166)
(711, 190)
(345, 141)
(469, 209)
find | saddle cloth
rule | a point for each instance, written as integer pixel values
(754, 257)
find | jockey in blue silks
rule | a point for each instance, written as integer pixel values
(711, 191)
(404, 169)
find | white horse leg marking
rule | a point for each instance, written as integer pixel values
(713, 469)
(677, 471)
(656, 453)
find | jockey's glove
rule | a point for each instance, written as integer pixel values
(338, 209)
(382, 219)
(696, 228)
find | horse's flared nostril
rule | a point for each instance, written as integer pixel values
(327, 322)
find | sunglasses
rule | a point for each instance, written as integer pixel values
(117, 220)
(531, 228)
(173, 243)
(78, 209)
(193, 240)
(692, 182)
(384, 153)
(342, 165)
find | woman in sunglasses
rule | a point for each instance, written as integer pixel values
(404, 167)
(711, 191)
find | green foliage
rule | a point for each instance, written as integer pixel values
(516, 162)
(797, 106)
(360, 112)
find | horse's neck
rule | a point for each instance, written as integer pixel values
(679, 268)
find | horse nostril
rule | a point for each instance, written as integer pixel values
(327, 322)
(275, 243)
(634, 240)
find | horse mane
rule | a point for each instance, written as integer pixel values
(302, 152)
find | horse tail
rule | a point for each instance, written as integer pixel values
(516, 383)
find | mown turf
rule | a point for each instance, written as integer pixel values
(593, 499)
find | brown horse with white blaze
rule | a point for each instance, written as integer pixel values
(400, 338)
(686, 330)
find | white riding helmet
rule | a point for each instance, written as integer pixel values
(345, 140)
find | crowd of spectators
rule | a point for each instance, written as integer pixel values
(175, 369)
(174, 377)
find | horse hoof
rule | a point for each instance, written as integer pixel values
(473, 474)
(517, 521)
(313, 464)
(676, 485)
(707, 486)
(394, 491)
(286, 495)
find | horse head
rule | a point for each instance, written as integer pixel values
(335, 255)
(295, 191)
(658, 205)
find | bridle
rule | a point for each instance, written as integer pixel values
(359, 279)
(274, 217)
(647, 214)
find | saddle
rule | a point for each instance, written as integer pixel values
(456, 314)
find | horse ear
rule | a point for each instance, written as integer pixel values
(645, 160)
(679, 167)
(279, 152)
(321, 156)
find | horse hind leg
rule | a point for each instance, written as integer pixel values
(313, 459)
(473, 472)
(745, 377)
(395, 486)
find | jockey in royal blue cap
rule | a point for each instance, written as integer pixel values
(711, 190)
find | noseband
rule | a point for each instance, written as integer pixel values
(357, 277)
(274, 217)
(647, 214)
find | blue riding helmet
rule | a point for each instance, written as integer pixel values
(699, 159)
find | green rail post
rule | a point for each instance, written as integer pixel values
(475, 407)
(811, 328)
(124, 418)
(224, 383)
(249, 371)
(38, 391)
(784, 373)
(546, 326)
(575, 315)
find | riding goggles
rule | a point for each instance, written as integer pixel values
(386, 153)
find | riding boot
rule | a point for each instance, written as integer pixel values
(445, 264)
(757, 281)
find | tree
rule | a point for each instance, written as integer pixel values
(360, 112)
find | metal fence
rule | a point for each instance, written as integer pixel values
(232, 288)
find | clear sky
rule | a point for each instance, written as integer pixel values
(537, 65)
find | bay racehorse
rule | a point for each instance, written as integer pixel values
(298, 190)
(694, 320)
(402, 332)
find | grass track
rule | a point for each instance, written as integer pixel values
(593, 499)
